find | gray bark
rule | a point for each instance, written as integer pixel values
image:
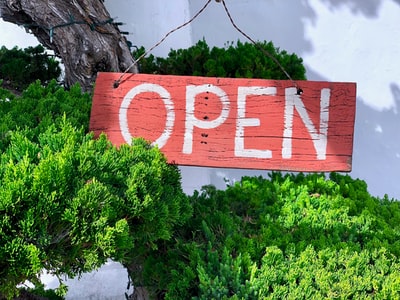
(80, 32)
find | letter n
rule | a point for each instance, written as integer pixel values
(320, 137)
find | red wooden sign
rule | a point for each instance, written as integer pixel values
(233, 123)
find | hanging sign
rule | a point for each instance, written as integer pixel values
(232, 123)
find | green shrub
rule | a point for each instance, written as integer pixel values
(40, 106)
(293, 237)
(20, 67)
(241, 60)
(69, 202)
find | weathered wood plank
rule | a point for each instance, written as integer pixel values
(233, 123)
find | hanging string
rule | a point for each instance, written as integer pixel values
(275, 60)
(118, 81)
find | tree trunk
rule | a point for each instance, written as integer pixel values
(81, 33)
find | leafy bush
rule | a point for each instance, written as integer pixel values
(69, 202)
(293, 237)
(40, 106)
(241, 60)
(20, 67)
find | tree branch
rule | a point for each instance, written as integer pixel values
(80, 32)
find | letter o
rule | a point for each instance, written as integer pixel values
(169, 105)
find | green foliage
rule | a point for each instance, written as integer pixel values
(40, 106)
(293, 237)
(241, 60)
(69, 202)
(20, 67)
(328, 274)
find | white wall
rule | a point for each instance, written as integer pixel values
(12, 35)
(109, 282)
(149, 21)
